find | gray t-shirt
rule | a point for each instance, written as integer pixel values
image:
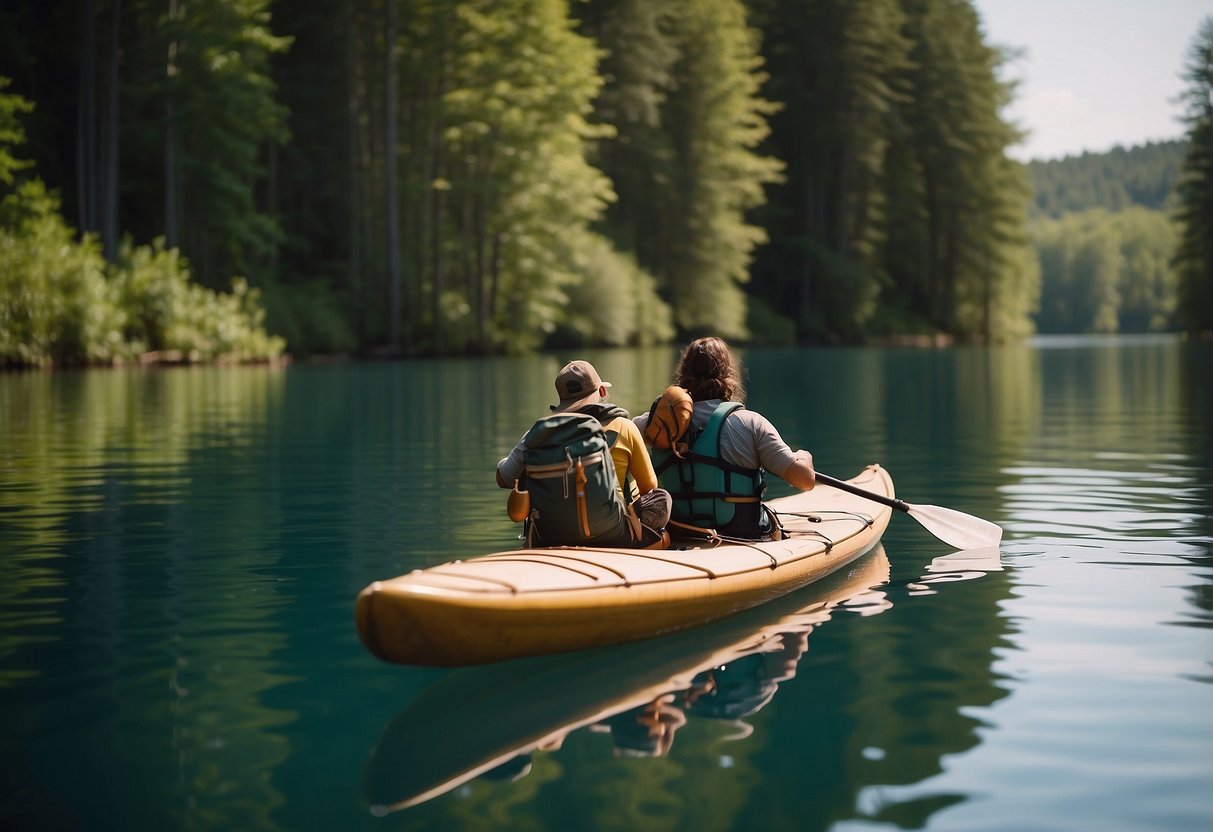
(747, 438)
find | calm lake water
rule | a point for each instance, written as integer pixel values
(180, 550)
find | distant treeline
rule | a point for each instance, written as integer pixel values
(439, 176)
(1105, 239)
(1120, 178)
(1105, 235)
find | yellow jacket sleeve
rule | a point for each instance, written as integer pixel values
(631, 457)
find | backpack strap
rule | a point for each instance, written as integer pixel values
(604, 412)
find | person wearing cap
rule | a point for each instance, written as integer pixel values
(580, 389)
(719, 489)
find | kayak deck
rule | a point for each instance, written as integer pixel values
(534, 601)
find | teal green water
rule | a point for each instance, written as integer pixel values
(180, 551)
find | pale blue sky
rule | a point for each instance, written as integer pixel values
(1094, 74)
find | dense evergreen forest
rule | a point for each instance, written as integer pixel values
(1142, 176)
(440, 176)
(1104, 231)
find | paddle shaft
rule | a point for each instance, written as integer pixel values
(900, 505)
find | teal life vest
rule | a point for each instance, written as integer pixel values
(707, 491)
(571, 479)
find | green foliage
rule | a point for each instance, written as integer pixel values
(839, 68)
(1115, 180)
(1194, 257)
(165, 310)
(616, 303)
(613, 179)
(1106, 272)
(901, 205)
(204, 72)
(767, 327)
(973, 198)
(57, 306)
(309, 317)
(683, 80)
(495, 168)
(11, 133)
(61, 308)
(716, 119)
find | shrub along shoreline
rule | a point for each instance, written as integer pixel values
(66, 306)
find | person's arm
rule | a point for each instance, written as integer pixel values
(512, 466)
(800, 473)
(794, 468)
(639, 464)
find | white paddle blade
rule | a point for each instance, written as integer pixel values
(955, 528)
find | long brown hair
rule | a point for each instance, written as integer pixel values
(708, 369)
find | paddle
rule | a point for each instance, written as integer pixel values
(964, 531)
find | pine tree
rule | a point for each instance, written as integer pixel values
(213, 58)
(836, 69)
(970, 232)
(716, 119)
(1194, 259)
(638, 54)
(496, 178)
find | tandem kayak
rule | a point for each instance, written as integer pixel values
(535, 601)
(433, 746)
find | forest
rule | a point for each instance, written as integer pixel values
(231, 178)
(1105, 236)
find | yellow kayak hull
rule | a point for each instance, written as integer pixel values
(529, 602)
(434, 746)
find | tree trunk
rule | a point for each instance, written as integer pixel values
(805, 289)
(412, 211)
(86, 124)
(846, 164)
(482, 293)
(391, 184)
(932, 306)
(949, 268)
(494, 281)
(170, 144)
(437, 147)
(466, 251)
(355, 193)
(109, 204)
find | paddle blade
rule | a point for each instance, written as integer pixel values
(955, 528)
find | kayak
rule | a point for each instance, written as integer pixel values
(536, 601)
(432, 747)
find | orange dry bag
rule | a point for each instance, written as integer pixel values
(669, 418)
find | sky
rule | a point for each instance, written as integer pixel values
(1093, 74)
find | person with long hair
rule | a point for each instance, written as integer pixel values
(716, 472)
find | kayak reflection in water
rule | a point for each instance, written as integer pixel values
(729, 692)
(642, 695)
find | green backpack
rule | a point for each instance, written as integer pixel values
(571, 480)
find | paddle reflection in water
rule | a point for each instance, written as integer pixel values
(958, 566)
(490, 720)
